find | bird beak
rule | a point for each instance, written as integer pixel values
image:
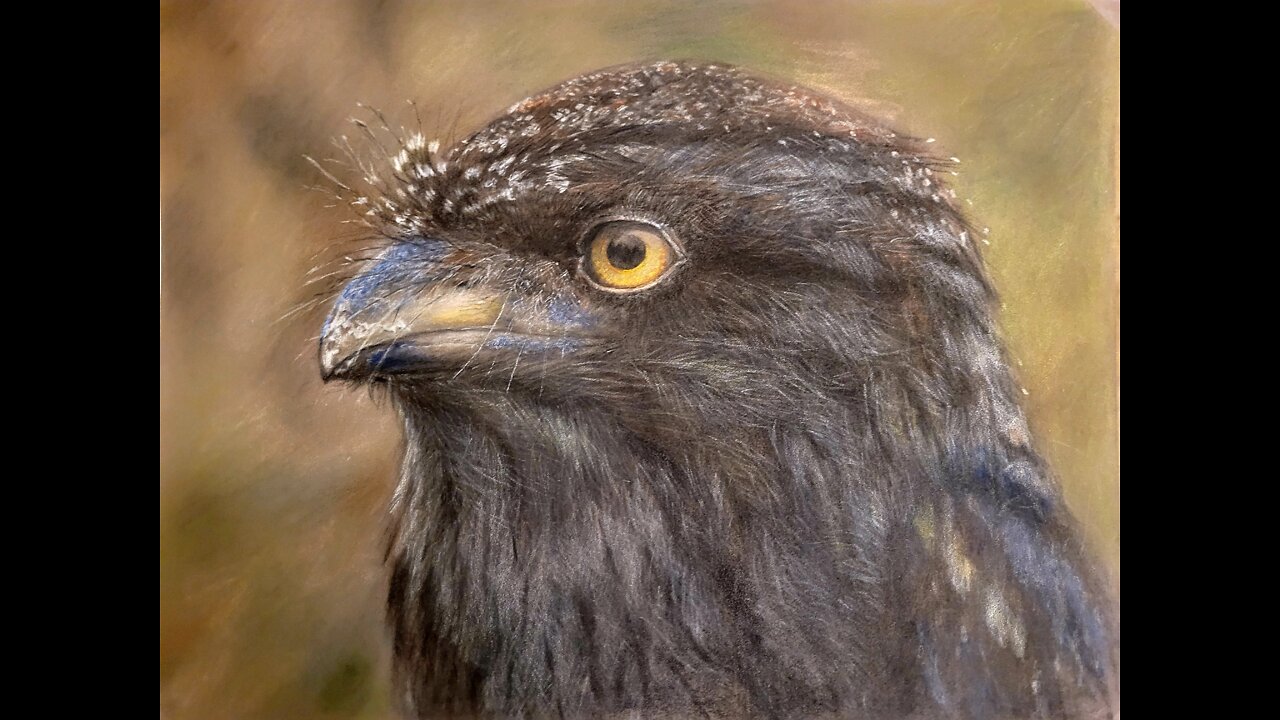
(409, 312)
(387, 340)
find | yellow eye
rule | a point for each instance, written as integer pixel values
(625, 255)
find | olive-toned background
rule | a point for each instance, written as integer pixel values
(272, 486)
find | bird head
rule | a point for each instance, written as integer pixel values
(680, 248)
(698, 366)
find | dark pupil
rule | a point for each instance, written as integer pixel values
(625, 251)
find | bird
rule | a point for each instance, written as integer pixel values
(706, 413)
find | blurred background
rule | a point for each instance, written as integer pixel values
(273, 486)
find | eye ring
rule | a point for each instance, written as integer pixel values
(623, 254)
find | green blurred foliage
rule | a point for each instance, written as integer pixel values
(273, 487)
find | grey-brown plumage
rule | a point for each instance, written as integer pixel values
(785, 476)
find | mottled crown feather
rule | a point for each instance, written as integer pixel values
(535, 147)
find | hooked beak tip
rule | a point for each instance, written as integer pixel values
(332, 366)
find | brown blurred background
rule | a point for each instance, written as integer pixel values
(272, 486)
